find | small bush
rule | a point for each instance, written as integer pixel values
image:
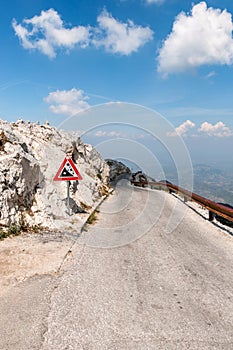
(16, 229)
(2, 234)
(35, 228)
(92, 218)
(104, 190)
(13, 230)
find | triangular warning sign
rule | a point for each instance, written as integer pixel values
(67, 171)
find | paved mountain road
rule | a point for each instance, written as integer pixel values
(150, 288)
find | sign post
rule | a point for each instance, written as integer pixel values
(67, 172)
(68, 196)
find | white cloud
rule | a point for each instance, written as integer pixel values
(182, 129)
(154, 1)
(210, 75)
(202, 37)
(67, 102)
(47, 33)
(101, 133)
(114, 133)
(218, 130)
(121, 134)
(119, 37)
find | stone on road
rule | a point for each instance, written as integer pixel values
(133, 284)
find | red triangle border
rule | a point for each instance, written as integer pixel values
(57, 176)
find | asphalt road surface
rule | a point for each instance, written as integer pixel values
(150, 274)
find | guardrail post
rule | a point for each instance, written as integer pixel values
(185, 199)
(211, 216)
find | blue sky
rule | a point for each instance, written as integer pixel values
(175, 57)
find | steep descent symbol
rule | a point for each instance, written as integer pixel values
(67, 171)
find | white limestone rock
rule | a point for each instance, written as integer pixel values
(30, 155)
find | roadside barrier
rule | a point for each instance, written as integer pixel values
(213, 207)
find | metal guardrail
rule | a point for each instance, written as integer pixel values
(214, 208)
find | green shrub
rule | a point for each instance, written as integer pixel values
(2, 234)
(13, 229)
(92, 218)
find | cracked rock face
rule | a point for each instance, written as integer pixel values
(30, 156)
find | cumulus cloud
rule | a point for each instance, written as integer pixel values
(182, 129)
(218, 130)
(47, 33)
(67, 102)
(119, 37)
(202, 37)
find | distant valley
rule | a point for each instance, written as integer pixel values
(213, 183)
(209, 181)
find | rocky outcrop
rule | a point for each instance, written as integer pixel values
(139, 178)
(30, 155)
(116, 169)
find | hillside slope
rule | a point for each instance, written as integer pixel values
(30, 155)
